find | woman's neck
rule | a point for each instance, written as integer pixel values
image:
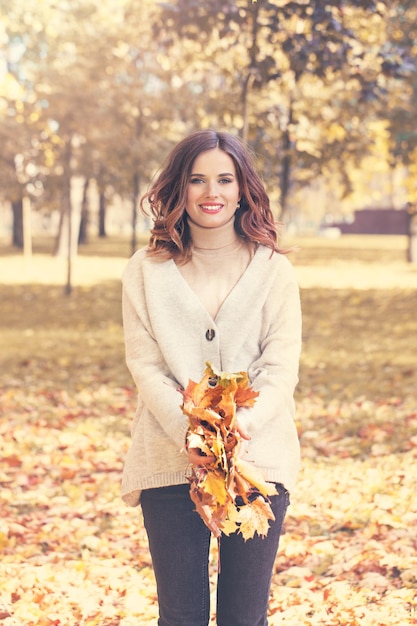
(220, 238)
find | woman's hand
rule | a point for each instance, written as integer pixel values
(198, 458)
(245, 437)
(243, 432)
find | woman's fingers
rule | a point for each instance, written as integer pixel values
(243, 432)
(198, 458)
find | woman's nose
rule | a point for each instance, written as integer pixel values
(212, 190)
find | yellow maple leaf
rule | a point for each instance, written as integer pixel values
(254, 518)
(230, 523)
(255, 477)
(214, 484)
(218, 449)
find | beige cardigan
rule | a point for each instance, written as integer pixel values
(169, 337)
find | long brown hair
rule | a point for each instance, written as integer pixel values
(170, 236)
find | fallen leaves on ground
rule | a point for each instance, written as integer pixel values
(349, 554)
(71, 552)
(73, 555)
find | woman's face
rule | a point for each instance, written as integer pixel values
(213, 189)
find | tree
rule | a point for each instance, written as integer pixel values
(400, 70)
(304, 83)
(286, 55)
(21, 158)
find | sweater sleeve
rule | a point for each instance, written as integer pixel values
(275, 372)
(157, 390)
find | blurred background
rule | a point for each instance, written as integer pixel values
(94, 93)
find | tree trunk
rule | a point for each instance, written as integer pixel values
(102, 215)
(285, 174)
(64, 243)
(285, 177)
(245, 107)
(251, 72)
(27, 228)
(57, 247)
(67, 239)
(69, 224)
(17, 228)
(412, 238)
(135, 195)
(68, 212)
(85, 215)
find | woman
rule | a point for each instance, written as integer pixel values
(212, 286)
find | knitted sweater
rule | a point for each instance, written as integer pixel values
(169, 337)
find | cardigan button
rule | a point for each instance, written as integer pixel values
(210, 334)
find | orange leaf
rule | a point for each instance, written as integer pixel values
(219, 489)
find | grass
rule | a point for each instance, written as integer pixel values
(113, 246)
(357, 342)
(348, 552)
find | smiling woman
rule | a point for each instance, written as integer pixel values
(212, 286)
(170, 194)
(213, 191)
(220, 255)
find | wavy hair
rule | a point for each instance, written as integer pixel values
(170, 235)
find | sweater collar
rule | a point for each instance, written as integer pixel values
(220, 239)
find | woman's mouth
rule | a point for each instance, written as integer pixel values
(211, 208)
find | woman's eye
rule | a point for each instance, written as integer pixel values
(200, 181)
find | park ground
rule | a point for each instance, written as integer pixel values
(73, 554)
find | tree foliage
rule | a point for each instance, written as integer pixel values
(120, 83)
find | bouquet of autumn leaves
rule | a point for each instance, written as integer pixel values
(230, 494)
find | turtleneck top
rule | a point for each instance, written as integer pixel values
(219, 258)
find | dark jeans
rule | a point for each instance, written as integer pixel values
(179, 544)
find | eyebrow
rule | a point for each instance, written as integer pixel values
(222, 174)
